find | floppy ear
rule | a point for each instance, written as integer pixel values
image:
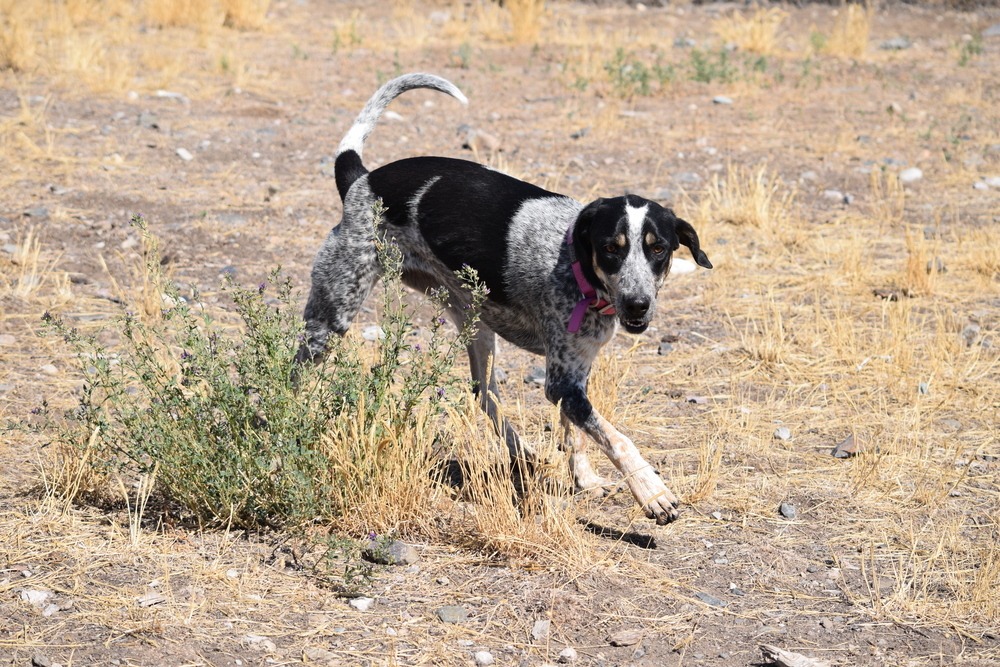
(581, 230)
(689, 237)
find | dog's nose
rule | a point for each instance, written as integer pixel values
(637, 307)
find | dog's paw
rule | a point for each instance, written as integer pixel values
(595, 487)
(653, 496)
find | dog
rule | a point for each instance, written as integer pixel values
(562, 276)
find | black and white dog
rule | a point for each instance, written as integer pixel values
(561, 275)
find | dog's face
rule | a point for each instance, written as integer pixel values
(626, 244)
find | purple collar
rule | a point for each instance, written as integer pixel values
(590, 298)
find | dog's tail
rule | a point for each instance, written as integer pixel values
(348, 166)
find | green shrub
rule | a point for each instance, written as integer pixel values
(239, 434)
(630, 76)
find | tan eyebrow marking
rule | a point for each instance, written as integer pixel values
(620, 239)
(650, 238)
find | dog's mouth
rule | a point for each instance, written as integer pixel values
(634, 326)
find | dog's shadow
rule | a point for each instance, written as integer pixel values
(452, 473)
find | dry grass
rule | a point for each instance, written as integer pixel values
(852, 31)
(526, 19)
(757, 33)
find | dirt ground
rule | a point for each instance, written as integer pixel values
(890, 557)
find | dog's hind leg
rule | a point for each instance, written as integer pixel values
(482, 357)
(345, 271)
(584, 478)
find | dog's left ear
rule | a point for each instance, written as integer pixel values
(689, 237)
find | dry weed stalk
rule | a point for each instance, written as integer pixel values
(245, 14)
(526, 19)
(850, 35)
(757, 33)
(17, 38)
(888, 199)
(748, 197)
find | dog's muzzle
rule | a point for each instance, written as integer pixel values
(634, 314)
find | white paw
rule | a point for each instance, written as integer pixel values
(653, 496)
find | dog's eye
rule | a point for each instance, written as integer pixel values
(658, 249)
(611, 248)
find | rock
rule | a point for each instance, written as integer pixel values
(413, 569)
(579, 134)
(664, 348)
(481, 142)
(951, 424)
(722, 99)
(782, 658)
(848, 448)
(39, 660)
(500, 374)
(679, 266)
(362, 604)
(788, 511)
(39, 212)
(833, 194)
(812, 569)
(894, 108)
(483, 658)
(992, 31)
(980, 185)
(910, 175)
(626, 637)
(687, 42)
(35, 597)
(49, 610)
(373, 332)
(49, 369)
(711, 600)
(151, 598)
(848, 199)
(11, 248)
(970, 334)
(184, 154)
(319, 655)
(567, 655)
(923, 388)
(809, 176)
(993, 181)
(717, 516)
(894, 162)
(936, 265)
(698, 400)
(536, 376)
(451, 613)
(541, 629)
(7, 339)
(688, 177)
(147, 120)
(895, 44)
(228, 271)
(395, 553)
(782, 433)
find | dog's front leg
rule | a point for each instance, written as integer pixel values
(646, 486)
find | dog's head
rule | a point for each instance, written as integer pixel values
(625, 246)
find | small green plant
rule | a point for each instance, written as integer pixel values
(817, 41)
(240, 434)
(630, 76)
(970, 49)
(707, 67)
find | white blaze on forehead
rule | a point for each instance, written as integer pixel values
(636, 216)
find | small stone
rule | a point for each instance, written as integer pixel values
(722, 99)
(664, 348)
(11, 248)
(35, 597)
(894, 108)
(688, 177)
(466, 643)
(452, 614)
(980, 185)
(232, 573)
(444, 581)
(698, 400)
(7, 339)
(951, 424)
(184, 154)
(910, 175)
(39, 212)
(782, 433)
(833, 194)
(228, 271)
(372, 333)
(49, 369)
(809, 176)
(626, 637)
(483, 658)
(936, 265)
(362, 604)
(848, 199)
(717, 516)
(992, 31)
(536, 376)
(895, 44)
(541, 629)
(993, 181)
(49, 610)
(314, 654)
(567, 655)
(39, 660)
(479, 141)
(413, 569)
(680, 266)
(788, 511)
(923, 388)
(711, 600)
(129, 243)
(395, 553)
